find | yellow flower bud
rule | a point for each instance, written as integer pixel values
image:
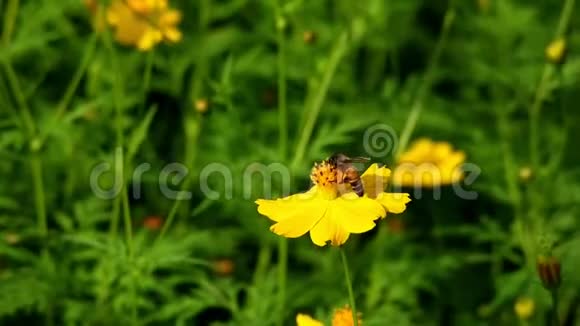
(524, 307)
(525, 174)
(309, 37)
(556, 51)
(201, 105)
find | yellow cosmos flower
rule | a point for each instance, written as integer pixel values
(305, 320)
(428, 163)
(343, 317)
(143, 23)
(326, 211)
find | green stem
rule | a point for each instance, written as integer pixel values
(314, 106)
(74, 83)
(543, 89)
(349, 286)
(128, 222)
(90, 48)
(116, 214)
(9, 21)
(6, 103)
(425, 87)
(282, 277)
(192, 122)
(264, 257)
(555, 303)
(14, 84)
(117, 103)
(283, 145)
(147, 73)
(282, 107)
(174, 209)
(40, 201)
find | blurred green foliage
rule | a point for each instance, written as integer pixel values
(69, 97)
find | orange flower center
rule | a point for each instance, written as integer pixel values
(323, 174)
(324, 177)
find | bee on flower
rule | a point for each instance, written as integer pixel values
(429, 164)
(330, 211)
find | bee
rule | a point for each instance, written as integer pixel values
(346, 172)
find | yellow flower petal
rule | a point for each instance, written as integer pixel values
(305, 320)
(328, 230)
(172, 34)
(304, 217)
(394, 202)
(171, 17)
(374, 179)
(355, 214)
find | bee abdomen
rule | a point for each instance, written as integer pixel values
(357, 187)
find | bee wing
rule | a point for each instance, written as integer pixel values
(359, 159)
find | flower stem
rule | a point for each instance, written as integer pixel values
(36, 166)
(349, 286)
(14, 84)
(555, 303)
(543, 89)
(282, 277)
(192, 123)
(425, 86)
(282, 145)
(90, 48)
(147, 74)
(9, 21)
(282, 107)
(313, 109)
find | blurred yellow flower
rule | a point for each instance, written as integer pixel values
(143, 23)
(556, 51)
(343, 317)
(428, 163)
(305, 320)
(329, 215)
(374, 182)
(524, 307)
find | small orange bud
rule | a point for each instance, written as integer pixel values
(223, 267)
(343, 317)
(201, 105)
(309, 37)
(153, 223)
(556, 51)
(549, 271)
